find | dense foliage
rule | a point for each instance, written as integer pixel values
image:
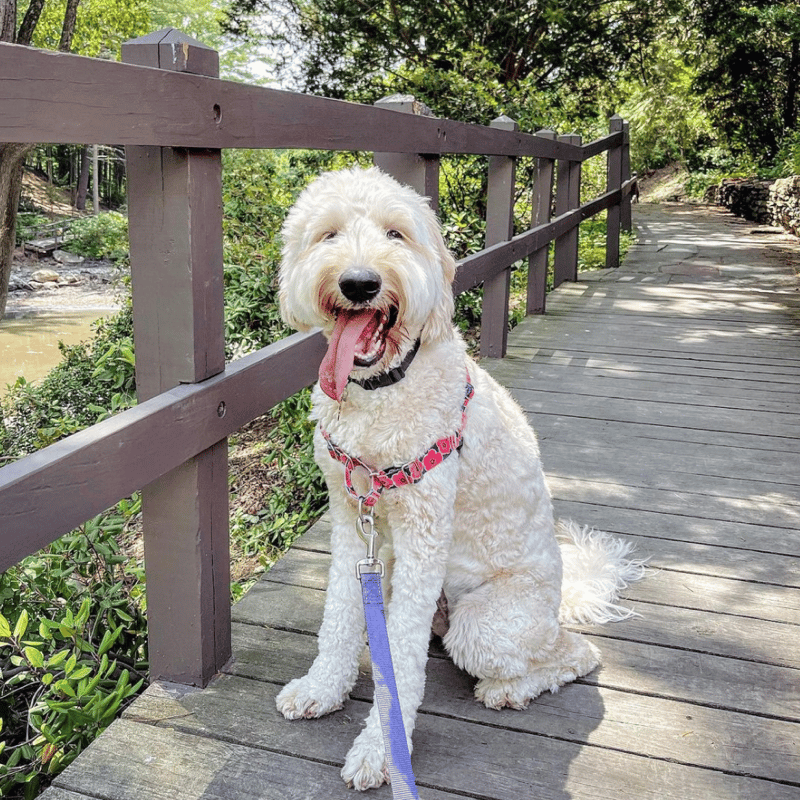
(713, 83)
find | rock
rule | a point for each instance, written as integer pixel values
(745, 197)
(44, 275)
(63, 257)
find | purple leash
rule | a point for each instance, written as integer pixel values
(398, 759)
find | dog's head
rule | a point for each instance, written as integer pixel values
(364, 259)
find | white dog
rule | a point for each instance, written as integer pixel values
(471, 515)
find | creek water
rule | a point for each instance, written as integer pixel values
(29, 341)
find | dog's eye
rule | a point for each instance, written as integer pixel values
(394, 234)
(329, 235)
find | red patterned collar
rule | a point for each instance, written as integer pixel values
(406, 474)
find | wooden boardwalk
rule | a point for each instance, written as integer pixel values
(666, 400)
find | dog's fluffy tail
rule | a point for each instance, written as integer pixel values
(596, 569)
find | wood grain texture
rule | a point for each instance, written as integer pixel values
(139, 105)
(61, 486)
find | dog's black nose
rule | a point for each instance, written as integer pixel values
(360, 285)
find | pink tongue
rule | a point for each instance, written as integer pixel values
(338, 362)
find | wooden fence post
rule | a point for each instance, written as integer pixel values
(499, 228)
(568, 197)
(542, 203)
(417, 170)
(613, 182)
(175, 213)
(625, 212)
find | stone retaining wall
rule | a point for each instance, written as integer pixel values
(766, 202)
(784, 204)
(745, 197)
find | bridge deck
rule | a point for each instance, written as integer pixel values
(665, 395)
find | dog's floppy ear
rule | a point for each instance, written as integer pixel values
(439, 324)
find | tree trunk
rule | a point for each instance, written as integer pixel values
(12, 157)
(83, 180)
(68, 29)
(790, 108)
(96, 178)
(26, 29)
(8, 20)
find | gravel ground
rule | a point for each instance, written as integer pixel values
(76, 287)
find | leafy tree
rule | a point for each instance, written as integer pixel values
(748, 70)
(348, 48)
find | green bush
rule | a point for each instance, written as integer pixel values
(72, 649)
(101, 236)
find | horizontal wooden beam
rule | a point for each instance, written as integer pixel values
(54, 490)
(591, 149)
(51, 97)
(481, 266)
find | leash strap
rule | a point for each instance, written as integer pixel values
(398, 759)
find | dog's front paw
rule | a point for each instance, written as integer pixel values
(365, 765)
(307, 698)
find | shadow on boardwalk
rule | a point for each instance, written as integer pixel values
(665, 396)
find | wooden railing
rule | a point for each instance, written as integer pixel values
(173, 114)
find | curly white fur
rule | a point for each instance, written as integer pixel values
(478, 526)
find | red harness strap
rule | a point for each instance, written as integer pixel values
(406, 474)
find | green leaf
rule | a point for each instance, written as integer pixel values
(34, 656)
(109, 638)
(22, 625)
(5, 630)
(57, 658)
(65, 688)
(80, 673)
(70, 665)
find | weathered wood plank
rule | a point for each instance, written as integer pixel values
(600, 433)
(702, 592)
(679, 555)
(709, 737)
(662, 365)
(614, 471)
(225, 710)
(619, 383)
(748, 640)
(723, 509)
(730, 426)
(749, 540)
(711, 475)
(129, 104)
(699, 679)
(659, 348)
(132, 761)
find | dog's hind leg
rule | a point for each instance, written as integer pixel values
(506, 633)
(571, 657)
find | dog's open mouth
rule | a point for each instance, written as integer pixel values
(358, 340)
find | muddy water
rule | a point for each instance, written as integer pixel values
(29, 342)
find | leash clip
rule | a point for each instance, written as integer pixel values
(365, 527)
